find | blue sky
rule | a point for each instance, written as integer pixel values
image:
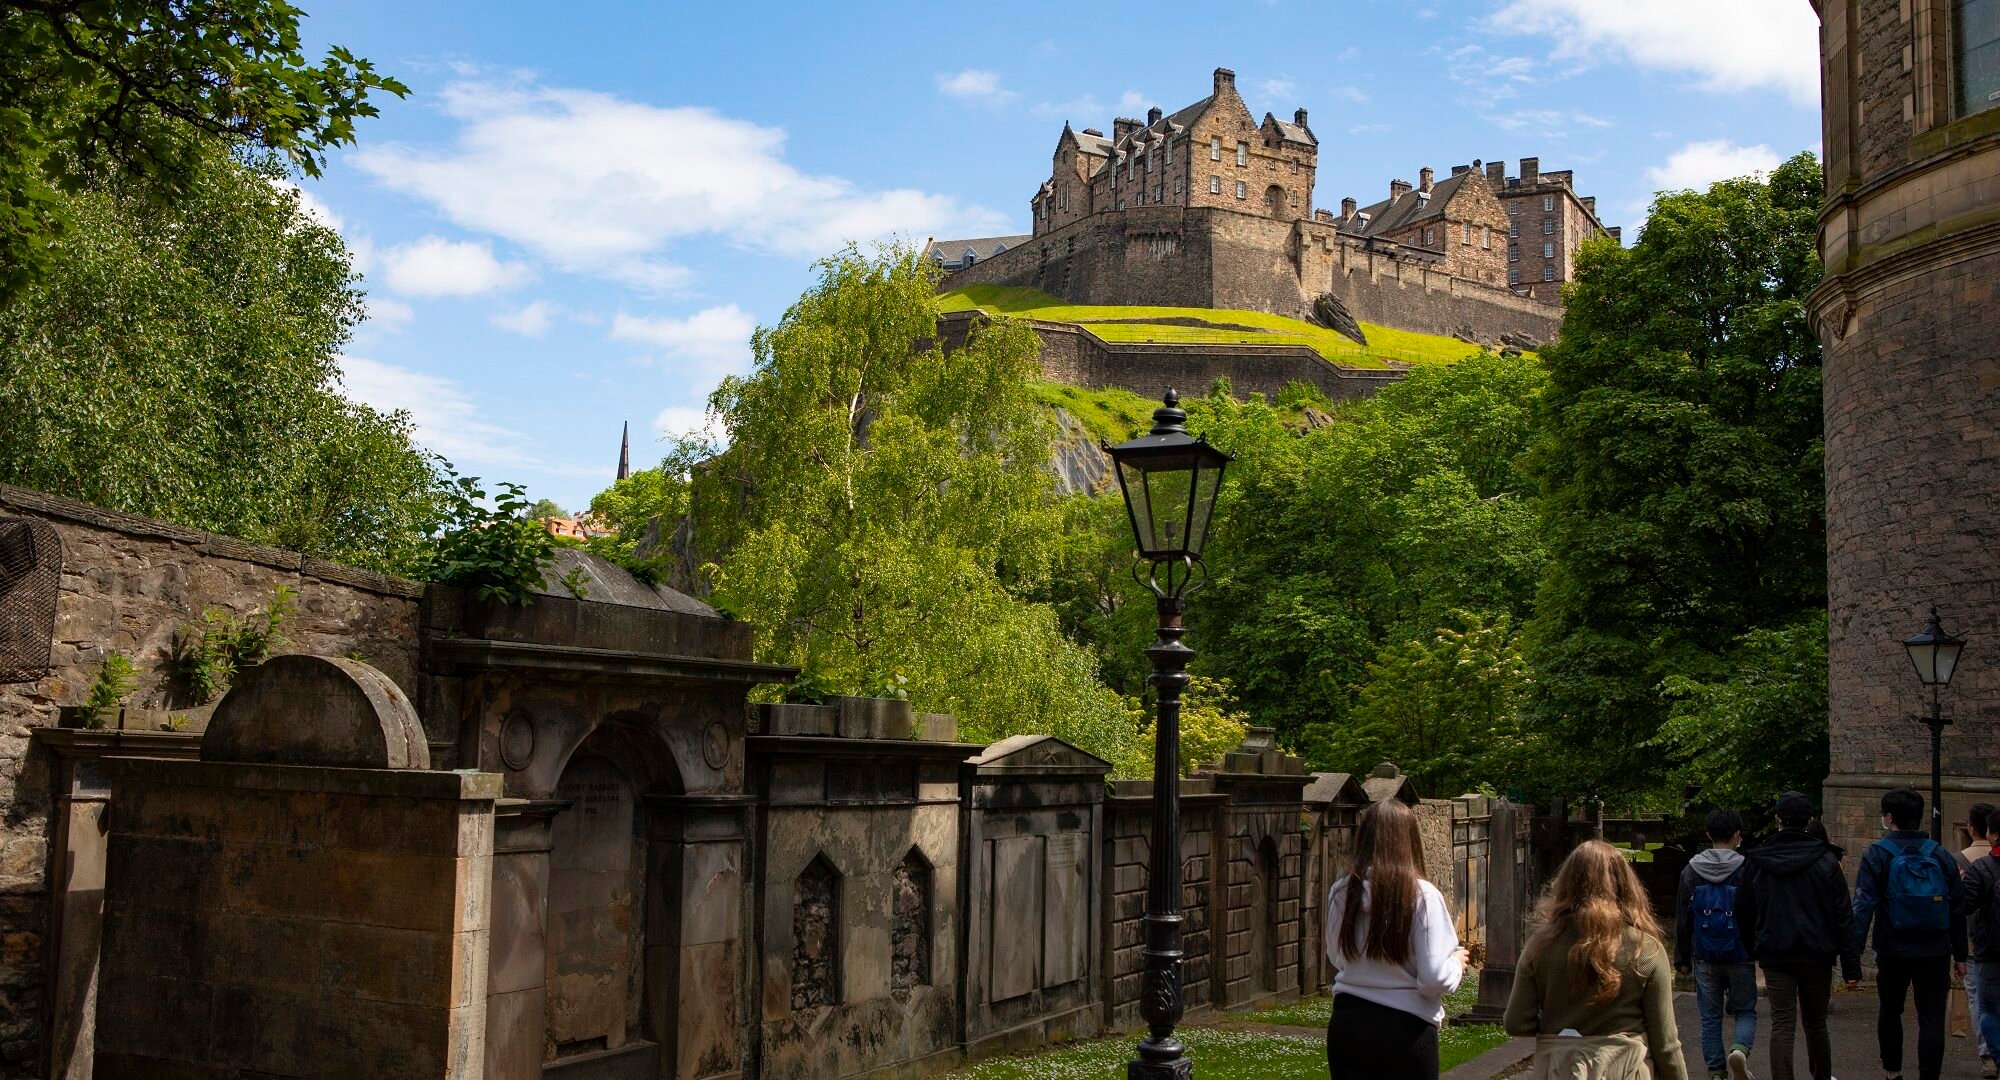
(576, 219)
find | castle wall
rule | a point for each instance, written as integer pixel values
(1409, 294)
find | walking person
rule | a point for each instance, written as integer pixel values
(1982, 900)
(1795, 917)
(1594, 984)
(1977, 822)
(1909, 895)
(1709, 942)
(1395, 955)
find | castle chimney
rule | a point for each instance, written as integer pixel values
(1122, 127)
(1153, 116)
(1093, 131)
(1531, 171)
(1347, 208)
(1590, 203)
(1299, 118)
(1617, 234)
(1398, 188)
(1225, 79)
(1460, 170)
(1496, 174)
(1424, 179)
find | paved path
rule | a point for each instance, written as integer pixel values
(1852, 1024)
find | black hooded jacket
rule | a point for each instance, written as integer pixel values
(1793, 907)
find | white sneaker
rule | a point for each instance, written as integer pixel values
(1739, 1064)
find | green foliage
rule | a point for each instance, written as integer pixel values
(208, 657)
(1223, 326)
(114, 682)
(1758, 726)
(1445, 708)
(149, 89)
(544, 509)
(1335, 543)
(574, 582)
(648, 501)
(1211, 725)
(883, 510)
(495, 552)
(1678, 463)
(180, 361)
(1106, 414)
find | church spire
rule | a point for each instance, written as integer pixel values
(625, 452)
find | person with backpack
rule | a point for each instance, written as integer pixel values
(1909, 895)
(1708, 942)
(1793, 910)
(1982, 901)
(1977, 819)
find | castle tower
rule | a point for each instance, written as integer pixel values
(625, 451)
(1912, 398)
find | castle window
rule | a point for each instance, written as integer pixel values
(1427, 236)
(1548, 202)
(1468, 234)
(1215, 185)
(1149, 159)
(1159, 191)
(1513, 253)
(1548, 226)
(1975, 35)
(1242, 153)
(1177, 187)
(1513, 230)
(1514, 208)
(1548, 273)
(1513, 276)
(1215, 149)
(1548, 249)
(1486, 237)
(1170, 151)
(1241, 191)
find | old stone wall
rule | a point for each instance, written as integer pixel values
(1406, 294)
(128, 586)
(1128, 854)
(273, 920)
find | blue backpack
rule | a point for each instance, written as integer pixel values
(1716, 936)
(1915, 894)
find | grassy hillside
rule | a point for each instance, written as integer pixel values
(1218, 326)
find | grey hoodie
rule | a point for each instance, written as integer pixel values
(1715, 865)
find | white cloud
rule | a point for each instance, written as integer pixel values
(435, 266)
(446, 418)
(1728, 44)
(1699, 164)
(385, 313)
(600, 184)
(530, 321)
(1351, 93)
(1088, 109)
(716, 339)
(975, 85)
(310, 204)
(1276, 88)
(677, 420)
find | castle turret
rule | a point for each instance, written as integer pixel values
(1531, 171)
(1424, 179)
(1225, 79)
(1121, 127)
(1398, 188)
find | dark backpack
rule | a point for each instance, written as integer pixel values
(1717, 938)
(1915, 894)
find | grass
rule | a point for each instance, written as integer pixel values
(1234, 1052)
(1221, 326)
(1110, 414)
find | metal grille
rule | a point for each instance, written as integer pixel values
(30, 570)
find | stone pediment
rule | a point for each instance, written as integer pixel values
(1336, 788)
(1036, 753)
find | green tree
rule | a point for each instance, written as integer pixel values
(1446, 707)
(1759, 729)
(180, 360)
(1678, 463)
(544, 509)
(147, 89)
(882, 509)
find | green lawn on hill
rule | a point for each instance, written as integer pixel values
(1221, 326)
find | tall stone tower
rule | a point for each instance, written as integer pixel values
(1910, 234)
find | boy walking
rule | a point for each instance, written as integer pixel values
(1795, 916)
(1909, 895)
(1709, 941)
(1976, 823)
(1982, 889)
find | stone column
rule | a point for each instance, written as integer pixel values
(517, 972)
(1505, 904)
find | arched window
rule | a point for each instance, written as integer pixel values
(816, 936)
(910, 923)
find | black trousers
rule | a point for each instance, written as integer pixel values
(1800, 992)
(1929, 979)
(1366, 1041)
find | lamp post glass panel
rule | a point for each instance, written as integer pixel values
(1934, 653)
(1170, 480)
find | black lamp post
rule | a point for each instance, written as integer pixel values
(1935, 654)
(1170, 480)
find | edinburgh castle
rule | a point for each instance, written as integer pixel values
(1208, 207)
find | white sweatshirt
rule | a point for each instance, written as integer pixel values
(1417, 988)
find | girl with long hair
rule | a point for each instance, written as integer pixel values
(1594, 984)
(1395, 955)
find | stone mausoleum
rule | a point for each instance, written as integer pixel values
(440, 837)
